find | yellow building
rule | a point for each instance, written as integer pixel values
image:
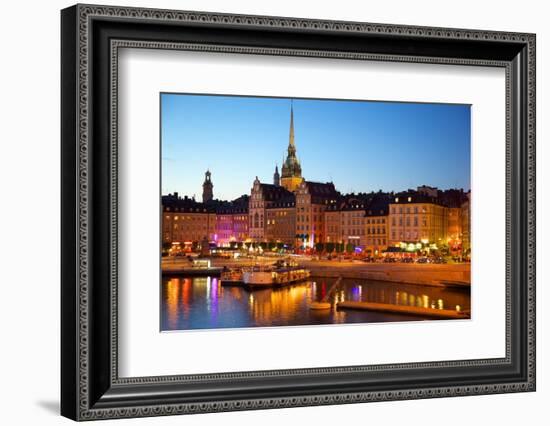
(416, 217)
(376, 229)
(352, 223)
(333, 233)
(281, 222)
(186, 221)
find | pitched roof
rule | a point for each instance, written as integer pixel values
(277, 193)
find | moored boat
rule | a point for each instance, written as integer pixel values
(277, 277)
(232, 277)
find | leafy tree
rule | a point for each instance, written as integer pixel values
(330, 247)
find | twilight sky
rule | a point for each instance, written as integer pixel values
(358, 145)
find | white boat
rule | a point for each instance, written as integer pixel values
(232, 277)
(266, 278)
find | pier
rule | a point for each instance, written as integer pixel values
(406, 310)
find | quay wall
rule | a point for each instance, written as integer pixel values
(401, 273)
(410, 273)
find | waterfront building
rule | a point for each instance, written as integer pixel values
(281, 221)
(353, 222)
(333, 233)
(312, 199)
(207, 188)
(376, 227)
(264, 196)
(454, 228)
(186, 221)
(232, 221)
(417, 217)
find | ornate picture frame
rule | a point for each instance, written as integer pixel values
(90, 38)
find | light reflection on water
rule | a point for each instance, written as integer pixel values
(202, 302)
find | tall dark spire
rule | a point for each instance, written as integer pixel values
(207, 188)
(291, 169)
(291, 145)
(276, 177)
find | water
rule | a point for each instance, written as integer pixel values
(190, 303)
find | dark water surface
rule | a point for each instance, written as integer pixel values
(190, 303)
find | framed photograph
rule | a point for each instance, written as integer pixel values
(263, 212)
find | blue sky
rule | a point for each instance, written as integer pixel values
(361, 146)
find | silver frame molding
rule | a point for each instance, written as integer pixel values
(91, 39)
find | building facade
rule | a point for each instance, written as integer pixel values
(186, 221)
(281, 222)
(312, 199)
(376, 228)
(264, 197)
(417, 218)
(232, 222)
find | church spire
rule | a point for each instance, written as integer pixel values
(207, 187)
(291, 175)
(291, 135)
(276, 177)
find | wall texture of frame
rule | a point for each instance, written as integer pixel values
(91, 37)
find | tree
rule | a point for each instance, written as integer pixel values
(330, 247)
(319, 247)
(350, 247)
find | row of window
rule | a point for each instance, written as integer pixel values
(407, 210)
(201, 218)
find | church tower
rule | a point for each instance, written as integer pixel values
(276, 177)
(207, 188)
(291, 170)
